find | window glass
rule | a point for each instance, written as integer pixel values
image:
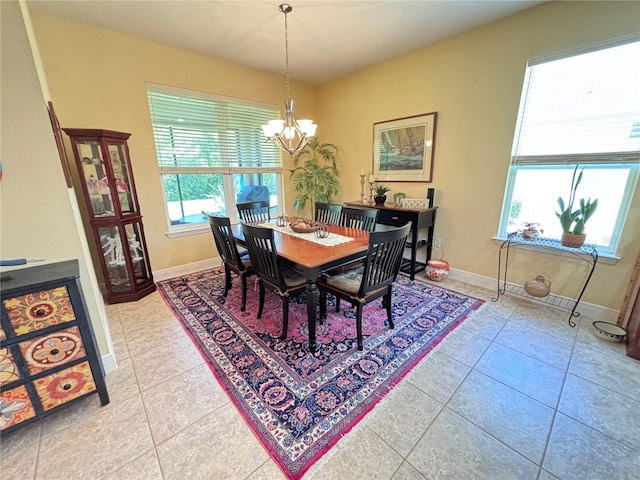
(188, 195)
(577, 110)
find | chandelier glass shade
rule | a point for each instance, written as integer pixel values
(288, 134)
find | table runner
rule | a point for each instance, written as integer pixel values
(330, 241)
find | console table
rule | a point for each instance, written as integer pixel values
(391, 215)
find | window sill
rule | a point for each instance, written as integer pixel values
(603, 257)
(185, 232)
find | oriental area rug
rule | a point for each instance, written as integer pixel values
(300, 404)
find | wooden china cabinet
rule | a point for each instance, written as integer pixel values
(102, 159)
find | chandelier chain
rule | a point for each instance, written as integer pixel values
(286, 52)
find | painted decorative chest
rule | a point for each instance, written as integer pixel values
(48, 353)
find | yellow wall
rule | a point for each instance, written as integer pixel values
(473, 81)
(97, 79)
(39, 214)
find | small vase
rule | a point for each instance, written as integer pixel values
(538, 287)
(531, 231)
(572, 240)
(437, 270)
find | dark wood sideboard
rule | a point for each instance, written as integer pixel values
(390, 214)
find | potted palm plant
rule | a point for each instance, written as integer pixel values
(381, 194)
(315, 174)
(573, 221)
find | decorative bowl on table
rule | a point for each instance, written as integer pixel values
(301, 225)
(609, 331)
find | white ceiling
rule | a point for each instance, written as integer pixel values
(327, 38)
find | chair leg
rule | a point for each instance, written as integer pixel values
(285, 317)
(227, 280)
(261, 299)
(359, 309)
(386, 300)
(243, 305)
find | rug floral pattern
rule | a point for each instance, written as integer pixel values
(299, 404)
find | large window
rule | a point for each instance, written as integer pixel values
(212, 154)
(582, 109)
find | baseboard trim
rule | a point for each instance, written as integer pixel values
(167, 273)
(109, 363)
(591, 310)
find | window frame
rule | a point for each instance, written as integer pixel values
(593, 160)
(226, 169)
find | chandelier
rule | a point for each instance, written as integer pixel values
(288, 134)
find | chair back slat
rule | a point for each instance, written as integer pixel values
(328, 212)
(359, 218)
(384, 256)
(225, 242)
(254, 212)
(264, 255)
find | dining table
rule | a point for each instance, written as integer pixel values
(312, 256)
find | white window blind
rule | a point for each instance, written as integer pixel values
(581, 109)
(205, 133)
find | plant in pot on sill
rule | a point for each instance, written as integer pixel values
(573, 221)
(380, 194)
(315, 175)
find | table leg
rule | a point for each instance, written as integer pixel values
(414, 245)
(311, 314)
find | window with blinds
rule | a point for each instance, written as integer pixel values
(577, 109)
(194, 130)
(212, 154)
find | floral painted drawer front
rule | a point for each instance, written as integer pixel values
(15, 407)
(39, 310)
(8, 368)
(59, 388)
(52, 350)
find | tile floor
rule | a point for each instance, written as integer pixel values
(513, 393)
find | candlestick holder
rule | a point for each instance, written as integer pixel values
(362, 188)
(371, 184)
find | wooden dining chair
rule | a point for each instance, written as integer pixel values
(272, 271)
(254, 212)
(372, 280)
(359, 218)
(234, 259)
(328, 212)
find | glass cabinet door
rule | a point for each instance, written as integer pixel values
(135, 241)
(121, 176)
(118, 243)
(111, 241)
(95, 178)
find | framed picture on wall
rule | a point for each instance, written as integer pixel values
(403, 149)
(62, 153)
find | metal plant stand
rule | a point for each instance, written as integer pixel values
(587, 253)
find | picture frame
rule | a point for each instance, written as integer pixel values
(403, 149)
(62, 153)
